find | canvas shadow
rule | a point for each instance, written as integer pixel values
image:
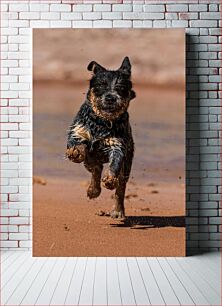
(196, 196)
(146, 222)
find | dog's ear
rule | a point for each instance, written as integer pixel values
(132, 94)
(126, 66)
(95, 67)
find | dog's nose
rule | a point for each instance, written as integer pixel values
(110, 98)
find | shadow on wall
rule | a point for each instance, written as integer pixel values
(193, 171)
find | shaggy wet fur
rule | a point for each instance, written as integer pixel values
(101, 132)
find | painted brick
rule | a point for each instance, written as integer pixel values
(29, 15)
(208, 39)
(19, 118)
(102, 23)
(134, 15)
(214, 47)
(52, 16)
(18, 23)
(9, 142)
(138, 23)
(161, 23)
(9, 244)
(177, 8)
(93, 15)
(24, 229)
(102, 7)
(9, 212)
(198, 7)
(82, 8)
(9, 31)
(122, 23)
(215, 220)
(9, 173)
(18, 7)
(203, 23)
(187, 16)
(8, 228)
(147, 23)
(25, 244)
(179, 23)
(20, 39)
(60, 24)
(171, 16)
(18, 236)
(39, 24)
(215, 63)
(60, 8)
(82, 24)
(154, 8)
(112, 15)
(137, 8)
(4, 7)
(71, 16)
(208, 15)
(9, 126)
(213, 8)
(122, 7)
(36, 7)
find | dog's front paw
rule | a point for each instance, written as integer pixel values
(93, 192)
(76, 154)
(110, 182)
(117, 214)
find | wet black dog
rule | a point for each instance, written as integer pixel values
(101, 132)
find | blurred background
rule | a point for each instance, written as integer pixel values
(157, 54)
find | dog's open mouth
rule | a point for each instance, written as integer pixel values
(109, 109)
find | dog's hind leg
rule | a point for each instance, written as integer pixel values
(119, 210)
(94, 188)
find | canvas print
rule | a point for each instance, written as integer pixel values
(109, 142)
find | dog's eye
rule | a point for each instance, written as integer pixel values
(121, 88)
(101, 85)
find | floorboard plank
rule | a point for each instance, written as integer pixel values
(75, 286)
(153, 290)
(5, 255)
(113, 286)
(126, 289)
(10, 261)
(86, 294)
(179, 289)
(38, 283)
(100, 283)
(13, 269)
(47, 291)
(207, 291)
(139, 288)
(212, 261)
(213, 279)
(18, 295)
(190, 286)
(62, 288)
(163, 283)
(17, 278)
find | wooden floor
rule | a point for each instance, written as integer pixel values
(29, 280)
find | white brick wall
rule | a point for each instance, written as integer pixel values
(201, 20)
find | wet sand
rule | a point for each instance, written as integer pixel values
(65, 222)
